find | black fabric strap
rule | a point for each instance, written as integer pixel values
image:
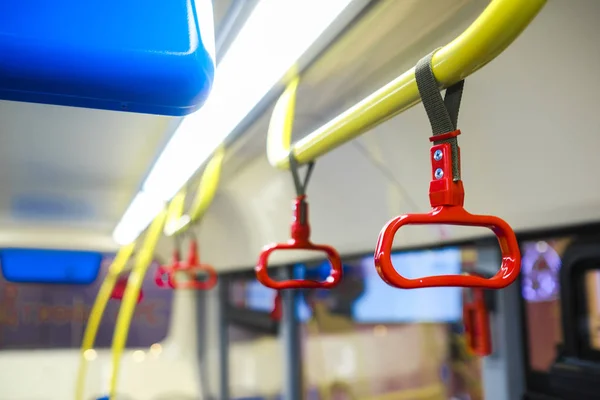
(442, 113)
(300, 185)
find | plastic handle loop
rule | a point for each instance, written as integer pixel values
(191, 267)
(300, 232)
(477, 323)
(193, 282)
(447, 198)
(119, 291)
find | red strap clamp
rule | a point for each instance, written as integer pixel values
(191, 267)
(477, 322)
(300, 240)
(446, 197)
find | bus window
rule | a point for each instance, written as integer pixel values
(592, 295)
(254, 346)
(51, 316)
(541, 263)
(357, 334)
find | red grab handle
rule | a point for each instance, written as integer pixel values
(191, 267)
(335, 273)
(193, 282)
(477, 323)
(446, 197)
(450, 215)
(300, 241)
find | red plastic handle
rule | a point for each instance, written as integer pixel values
(477, 323)
(446, 197)
(450, 215)
(335, 273)
(191, 267)
(193, 282)
(300, 232)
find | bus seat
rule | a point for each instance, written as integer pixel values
(153, 57)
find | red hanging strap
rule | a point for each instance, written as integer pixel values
(192, 268)
(166, 274)
(446, 195)
(300, 240)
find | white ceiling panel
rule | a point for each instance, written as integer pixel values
(71, 166)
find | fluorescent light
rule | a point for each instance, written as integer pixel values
(138, 216)
(274, 37)
(204, 10)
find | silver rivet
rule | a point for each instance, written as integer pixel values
(439, 173)
(437, 155)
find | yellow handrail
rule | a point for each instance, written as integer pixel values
(495, 29)
(91, 329)
(134, 284)
(175, 212)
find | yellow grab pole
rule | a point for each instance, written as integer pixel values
(495, 29)
(205, 193)
(174, 212)
(91, 329)
(134, 284)
(208, 185)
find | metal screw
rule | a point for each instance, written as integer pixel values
(439, 173)
(437, 155)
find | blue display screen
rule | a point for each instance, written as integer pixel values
(365, 298)
(50, 266)
(382, 303)
(259, 297)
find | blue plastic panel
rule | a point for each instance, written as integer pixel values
(50, 266)
(146, 56)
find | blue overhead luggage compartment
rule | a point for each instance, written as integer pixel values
(144, 56)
